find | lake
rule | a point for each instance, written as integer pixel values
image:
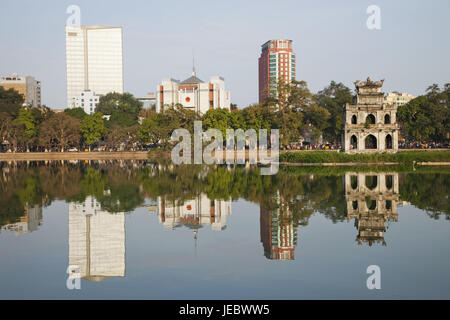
(143, 230)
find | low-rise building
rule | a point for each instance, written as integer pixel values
(398, 98)
(87, 100)
(27, 86)
(148, 102)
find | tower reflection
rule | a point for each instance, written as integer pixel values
(96, 241)
(371, 199)
(278, 231)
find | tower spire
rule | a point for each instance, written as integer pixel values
(193, 65)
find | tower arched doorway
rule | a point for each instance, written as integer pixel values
(388, 141)
(354, 142)
(371, 142)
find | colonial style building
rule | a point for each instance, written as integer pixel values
(371, 199)
(193, 94)
(370, 125)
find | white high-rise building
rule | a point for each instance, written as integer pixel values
(94, 61)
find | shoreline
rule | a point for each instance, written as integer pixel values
(145, 155)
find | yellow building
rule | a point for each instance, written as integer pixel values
(27, 86)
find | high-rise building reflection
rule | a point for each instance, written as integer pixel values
(278, 231)
(96, 241)
(371, 199)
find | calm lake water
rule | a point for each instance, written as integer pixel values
(139, 230)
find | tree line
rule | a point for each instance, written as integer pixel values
(119, 123)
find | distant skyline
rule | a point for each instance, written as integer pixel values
(330, 39)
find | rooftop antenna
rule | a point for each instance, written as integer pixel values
(193, 64)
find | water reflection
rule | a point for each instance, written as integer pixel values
(371, 200)
(100, 193)
(278, 231)
(29, 222)
(96, 241)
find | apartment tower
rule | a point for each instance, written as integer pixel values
(276, 63)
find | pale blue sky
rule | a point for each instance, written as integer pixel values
(331, 42)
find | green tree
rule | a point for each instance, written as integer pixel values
(93, 128)
(333, 98)
(30, 129)
(75, 112)
(10, 101)
(426, 117)
(123, 109)
(219, 119)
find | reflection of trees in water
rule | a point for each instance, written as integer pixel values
(121, 186)
(428, 192)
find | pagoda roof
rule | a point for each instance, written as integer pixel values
(369, 83)
(192, 80)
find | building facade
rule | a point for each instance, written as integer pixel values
(193, 94)
(87, 100)
(27, 86)
(94, 61)
(398, 98)
(370, 126)
(276, 63)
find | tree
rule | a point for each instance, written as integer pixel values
(318, 118)
(123, 109)
(93, 128)
(333, 98)
(426, 117)
(219, 119)
(289, 123)
(10, 101)
(30, 129)
(75, 112)
(13, 133)
(61, 130)
(121, 136)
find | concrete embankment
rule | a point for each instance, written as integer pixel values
(49, 156)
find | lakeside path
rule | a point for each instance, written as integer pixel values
(44, 156)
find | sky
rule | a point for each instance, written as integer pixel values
(330, 38)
